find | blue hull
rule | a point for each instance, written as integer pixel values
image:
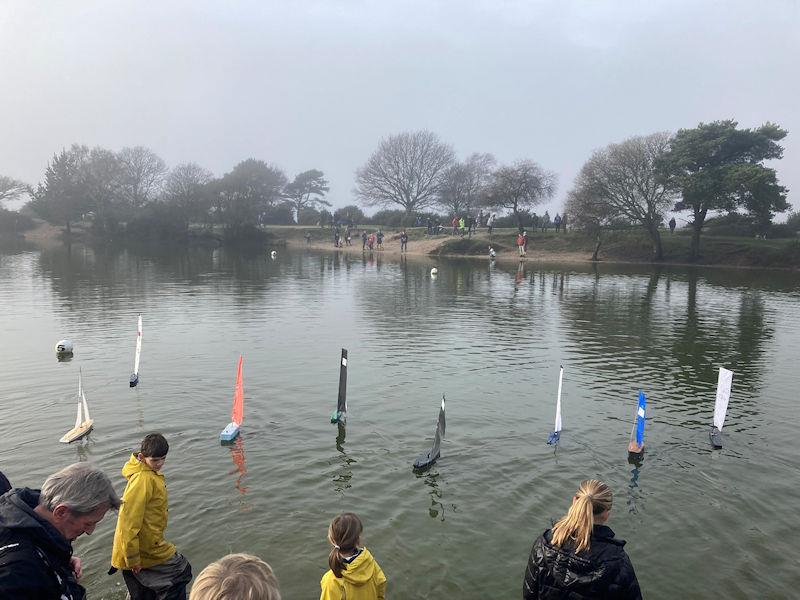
(229, 433)
(425, 461)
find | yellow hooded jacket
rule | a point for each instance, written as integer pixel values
(363, 579)
(139, 537)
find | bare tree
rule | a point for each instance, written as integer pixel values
(143, 174)
(307, 191)
(464, 184)
(623, 177)
(588, 213)
(522, 185)
(11, 189)
(406, 170)
(185, 188)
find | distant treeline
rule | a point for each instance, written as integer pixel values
(713, 170)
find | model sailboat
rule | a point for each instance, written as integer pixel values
(636, 446)
(340, 414)
(135, 375)
(426, 460)
(554, 437)
(83, 422)
(724, 382)
(237, 414)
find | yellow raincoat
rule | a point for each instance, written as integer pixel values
(363, 579)
(139, 537)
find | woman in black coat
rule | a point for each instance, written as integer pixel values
(580, 557)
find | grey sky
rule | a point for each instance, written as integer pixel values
(309, 84)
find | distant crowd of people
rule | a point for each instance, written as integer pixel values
(579, 557)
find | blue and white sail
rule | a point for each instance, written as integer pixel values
(724, 383)
(637, 435)
(556, 435)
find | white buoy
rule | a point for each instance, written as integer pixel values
(434, 271)
(273, 255)
(64, 347)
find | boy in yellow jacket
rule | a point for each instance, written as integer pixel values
(150, 565)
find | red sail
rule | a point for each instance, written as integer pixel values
(237, 414)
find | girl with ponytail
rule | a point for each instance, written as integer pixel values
(354, 574)
(580, 557)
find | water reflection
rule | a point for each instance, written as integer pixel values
(342, 477)
(634, 498)
(237, 455)
(436, 509)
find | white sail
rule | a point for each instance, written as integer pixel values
(558, 402)
(86, 416)
(138, 347)
(79, 418)
(723, 395)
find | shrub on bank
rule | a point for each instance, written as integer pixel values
(13, 222)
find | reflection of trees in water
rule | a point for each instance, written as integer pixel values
(631, 323)
(344, 474)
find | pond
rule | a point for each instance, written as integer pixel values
(489, 336)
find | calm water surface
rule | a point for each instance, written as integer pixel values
(698, 523)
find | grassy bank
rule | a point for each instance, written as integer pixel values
(617, 246)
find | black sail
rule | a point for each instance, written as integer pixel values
(426, 460)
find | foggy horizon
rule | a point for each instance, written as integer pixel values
(316, 85)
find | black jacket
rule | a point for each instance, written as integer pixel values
(34, 556)
(602, 571)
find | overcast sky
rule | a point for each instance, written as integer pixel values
(317, 84)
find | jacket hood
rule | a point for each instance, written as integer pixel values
(17, 512)
(134, 466)
(361, 570)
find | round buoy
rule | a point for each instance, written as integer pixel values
(273, 255)
(434, 271)
(64, 347)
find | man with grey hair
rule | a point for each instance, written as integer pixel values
(37, 529)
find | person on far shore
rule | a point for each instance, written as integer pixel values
(151, 566)
(455, 224)
(430, 227)
(354, 574)
(524, 243)
(580, 557)
(404, 241)
(234, 577)
(557, 222)
(672, 225)
(521, 244)
(308, 237)
(462, 225)
(37, 529)
(379, 237)
(371, 241)
(490, 223)
(364, 238)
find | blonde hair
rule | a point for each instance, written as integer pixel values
(236, 577)
(592, 498)
(344, 534)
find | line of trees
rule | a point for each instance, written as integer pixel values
(135, 187)
(416, 171)
(714, 167)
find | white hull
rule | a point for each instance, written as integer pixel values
(76, 433)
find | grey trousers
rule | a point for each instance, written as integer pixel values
(166, 581)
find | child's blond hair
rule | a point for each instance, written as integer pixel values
(236, 577)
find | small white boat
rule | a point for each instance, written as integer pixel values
(554, 437)
(724, 382)
(134, 380)
(83, 422)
